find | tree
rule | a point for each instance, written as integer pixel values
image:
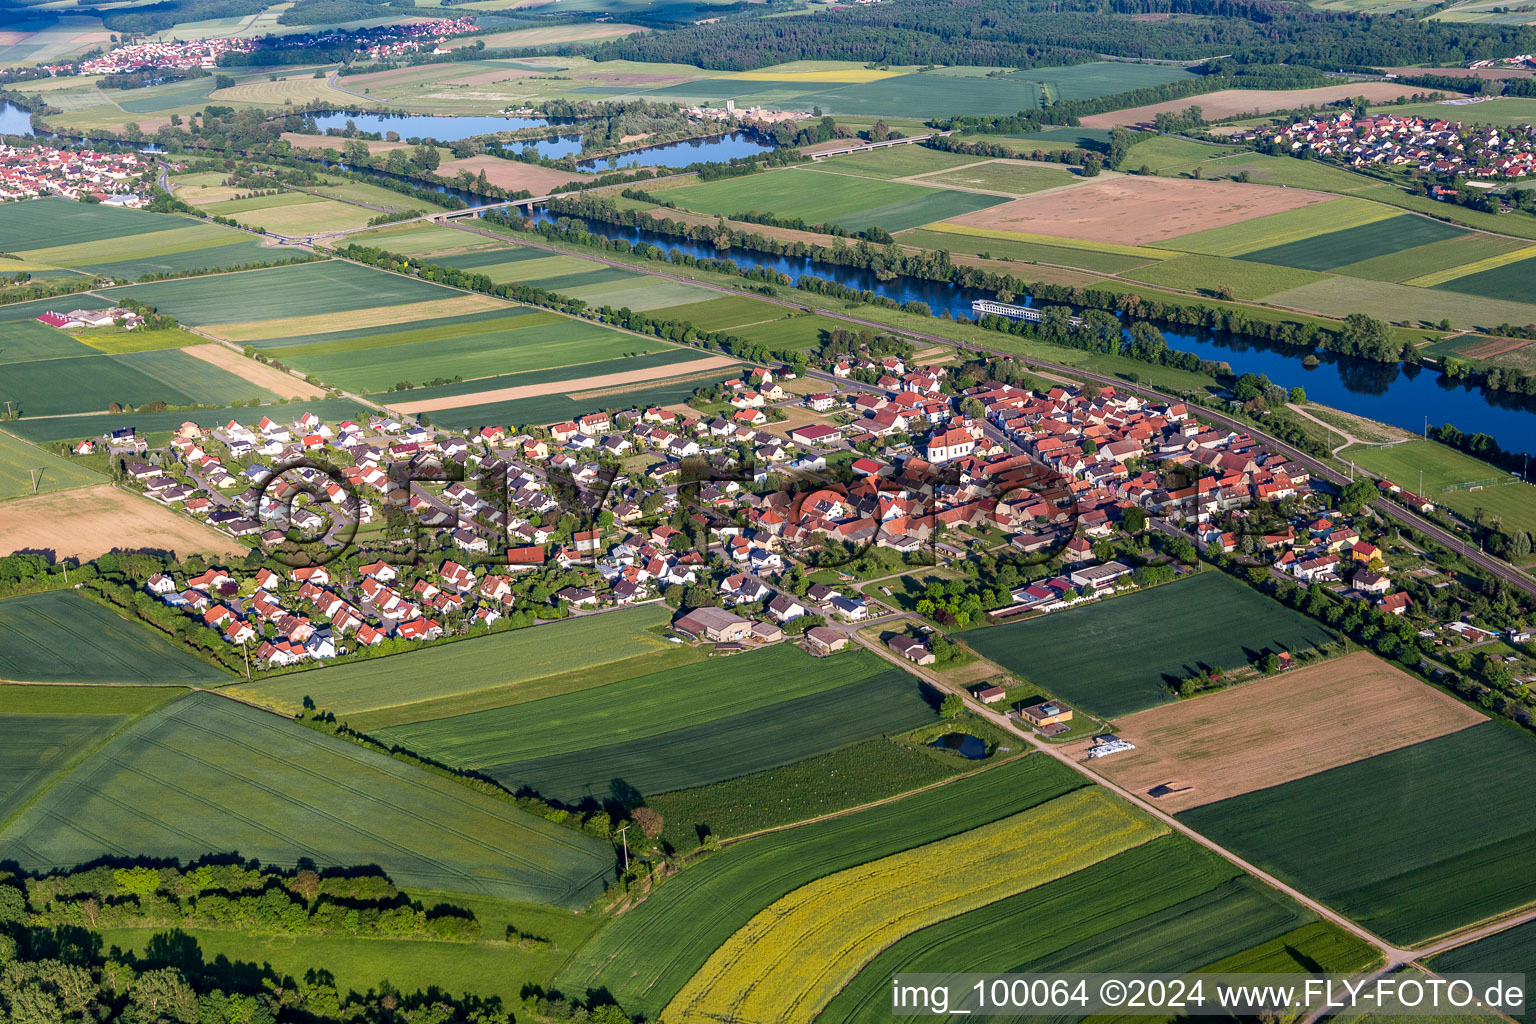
(649, 819)
(1133, 520)
(1356, 495)
(952, 706)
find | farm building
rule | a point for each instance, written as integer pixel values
(714, 624)
(990, 694)
(912, 649)
(822, 640)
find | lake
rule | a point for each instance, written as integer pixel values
(436, 126)
(1389, 392)
(972, 748)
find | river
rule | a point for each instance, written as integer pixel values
(1393, 393)
(14, 120)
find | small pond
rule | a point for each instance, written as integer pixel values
(973, 748)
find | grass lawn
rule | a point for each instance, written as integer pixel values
(1503, 496)
(643, 957)
(61, 637)
(1367, 838)
(1122, 655)
(468, 666)
(490, 967)
(18, 459)
(209, 775)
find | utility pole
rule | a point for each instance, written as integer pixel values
(625, 840)
(34, 473)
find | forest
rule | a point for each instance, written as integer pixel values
(1038, 33)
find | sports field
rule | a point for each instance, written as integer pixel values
(1244, 738)
(886, 702)
(1121, 655)
(1447, 475)
(20, 460)
(1411, 843)
(503, 659)
(646, 955)
(853, 202)
(61, 637)
(208, 775)
(786, 964)
(1168, 905)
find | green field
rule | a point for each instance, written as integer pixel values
(1276, 229)
(1121, 655)
(795, 332)
(1514, 282)
(722, 313)
(1010, 176)
(848, 777)
(886, 702)
(468, 666)
(1432, 258)
(294, 213)
(1373, 839)
(1399, 302)
(633, 709)
(1024, 251)
(52, 222)
(1503, 495)
(18, 458)
(449, 328)
(209, 775)
(546, 409)
(648, 953)
(1508, 952)
(855, 203)
(1168, 906)
(333, 286)
(65, 428)
(1247, 279)
(1169, 154)
(34, 748)
(1352, 245)
(574, 376)
(542, 341)
(61, 637)
(895, 162)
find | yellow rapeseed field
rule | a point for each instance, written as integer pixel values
(786, 963)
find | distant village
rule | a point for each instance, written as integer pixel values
(159, 56)
(1481, 152)
(30, 171)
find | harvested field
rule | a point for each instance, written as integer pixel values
(1252, 736)
(511, 174)
(379, 316)
(1219, 106)
(622, 381)
(1138, 211)
(263, 376)
(84, 523)
(1490, 347)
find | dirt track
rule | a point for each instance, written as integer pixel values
(276, 381)
(1261, 734)
(615, 382)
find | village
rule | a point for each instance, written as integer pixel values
(159, 56)
(1450, 148)
(76, 173)
(448, 533)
